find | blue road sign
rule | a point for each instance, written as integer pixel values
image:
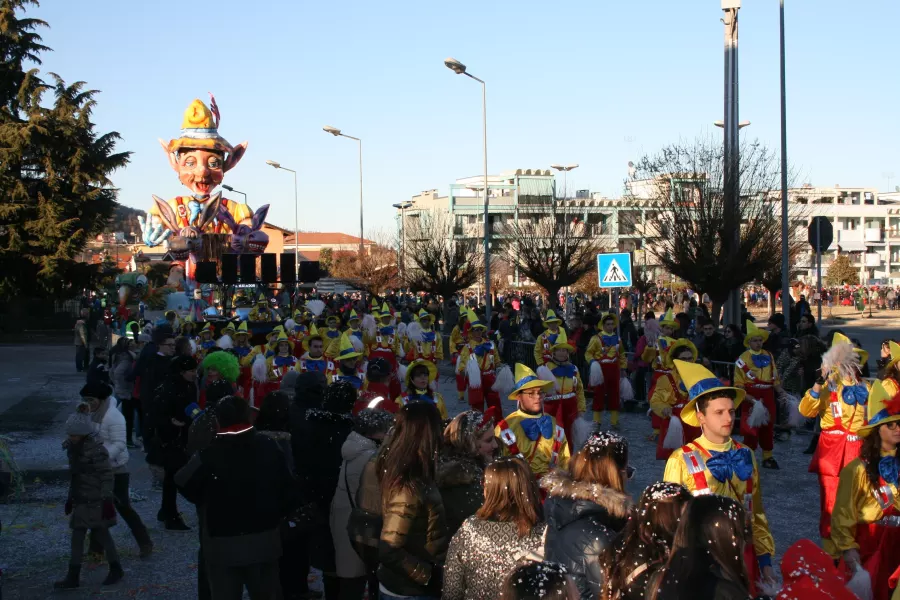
(614, 270)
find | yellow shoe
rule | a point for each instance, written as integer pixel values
(614, 419)
(598, 416)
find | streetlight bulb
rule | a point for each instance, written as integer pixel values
(332, 130)
(228, 187)
(274, 164)
(455, 66)
(557, 167)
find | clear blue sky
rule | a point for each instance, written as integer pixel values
(593, 82)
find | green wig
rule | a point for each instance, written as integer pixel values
(225, 363)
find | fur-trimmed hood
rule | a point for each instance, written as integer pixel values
(454, 470)
(559, 484)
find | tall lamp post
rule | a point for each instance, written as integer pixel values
(402, 206)
(231, 189)
(337, 133)
(731, 148)
(460, 69)
(785, 254)
(565, 171)
(277, 165)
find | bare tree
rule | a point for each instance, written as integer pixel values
(436, 262)
(551, 245)
(797, 247)
(375, 271)
(696, 232)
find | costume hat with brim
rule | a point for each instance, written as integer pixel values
(420, 362)
(199, 131)
(229, 327)
(314, 334)
(475, 321)
(526, 380)
(346, 349)
(755, 332)
(262, 299)
(670, 320)
(353, 316)
(242, 329)
(551, 317)
(276, 331)
(894, 348)
(675, 349)
(881, 408)
(609, 315)
(562, 343)
(207, 329)
(425, 315)
(699, 382)
(385, 310)
(840, 338)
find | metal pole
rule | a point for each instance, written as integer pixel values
(785, 255)
(361, 250)
(487, 230)
(819, 267)
(730, 155)
(296, 227)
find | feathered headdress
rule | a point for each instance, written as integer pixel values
(841, 359)
(316, 307)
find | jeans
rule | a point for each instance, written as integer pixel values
(261, 580)
(169, 493)
(129, 407)
(81, 358)
(102, 536)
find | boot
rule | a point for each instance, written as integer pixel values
(71, 580)
(115, 574)
(177, 524)
(146, 548)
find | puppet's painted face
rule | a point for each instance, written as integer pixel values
(200, 171)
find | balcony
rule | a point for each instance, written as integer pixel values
(875, 235)
(873, 259)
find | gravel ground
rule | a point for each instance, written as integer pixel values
(34, 546)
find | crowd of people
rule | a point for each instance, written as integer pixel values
(334, 429)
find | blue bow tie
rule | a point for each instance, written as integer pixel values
(761, 360)
(316, 365)
(242, 351)
(207, 344)
(482, 349)
(423, 396)
(427, 336)
(538, 427)
(551, 337)
(357, 333)
(567, 371)
(282, 361)
(610, 340)
(333, 333)
(387, 330)
(723, 465)
(888, 468)
(355, 381)
(855, 394)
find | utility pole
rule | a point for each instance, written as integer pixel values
(731, 152)
(785, 254)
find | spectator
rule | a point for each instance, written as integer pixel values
(640, 552)
(777, 341)
(81, 344)
(469, 446)
(152, 367)
(807, 325)
(109, 425)
(414, 534)
(539, 581)
(319, 467)
(884, 359)
(708, 341)
(628, 330)
(745, 316)
(122, 362)
(508, 526)
(101, 335)
(706, 562)
(354, 574)
(587, 507)
(184, 346)
(90, 500)
(98, 371)
(731, 348)
(243, 489)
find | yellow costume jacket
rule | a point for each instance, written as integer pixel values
(605, 353)
(332, 341)
(653, 355)
(852, 416)
(677, 472)
(539, 453)
(856, 503)
(265, 349)
(542, 346)
(424, 396)
(427, 350)
(746, 373)
(664, 396)
(385, 341)
(568, 384)
(488, 362)
(265, 314)
(457, 339)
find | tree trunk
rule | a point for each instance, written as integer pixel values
(716, 312)
(770, 302)
(553, 297)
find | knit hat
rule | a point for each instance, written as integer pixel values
(80, 423)
(289, 380)
(369, 422)
(180, 364)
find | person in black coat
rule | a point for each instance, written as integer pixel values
(243, 490)
(152, 367)
(318, 451)
(585, 510)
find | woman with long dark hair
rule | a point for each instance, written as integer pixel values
(587, 507)
(414, 531)
(864, 527)
(706, 561)
(642, 550)
(508, 526)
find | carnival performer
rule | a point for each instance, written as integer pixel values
(891, 379)
(242, 349)
(529, 432)
(385, 343)
(266, 350)
(348, 362)
(420, 375)
(669, 399)
(314, 358)
(479, 361)
(332, 336)
(378, 389)
(187, 327)
(566, 399)
(423, 342)
(865, 522)
(716, 464)
(547, 338)
(654, 354)
(838, 399)
(204, 342)
(606, 357)
(755, 372)
(261, 312)
(226, 340)
(458, 338)
(276, 366)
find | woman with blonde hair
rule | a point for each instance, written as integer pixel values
(587, 507)
(508, 526)
(469, 446)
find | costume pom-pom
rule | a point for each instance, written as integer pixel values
(225, 342)
(596, 375)
(316, 307)
(626, 392)
(259, 369)
(547, 375)
(368, 324)
(414, 332)
(861, 584)
(674, 435)
(505, 381)
(474, 372)
(759, 416)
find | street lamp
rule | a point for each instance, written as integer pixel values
(460, 69)
(731, 147)
(231, 189)
(565, 171)
(402, 206)
(741, 125)
(277, 165)
(785, 254)
(337, 133)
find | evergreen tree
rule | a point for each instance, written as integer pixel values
(54, 169)
(841, 271)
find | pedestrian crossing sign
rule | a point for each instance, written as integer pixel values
(614, 270)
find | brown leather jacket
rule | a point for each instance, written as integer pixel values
(414, 542)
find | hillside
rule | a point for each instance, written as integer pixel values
(125, 219)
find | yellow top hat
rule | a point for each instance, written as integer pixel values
(880, 408)
(475, 321)
(551, 317)
(526, 379)
(562, 342)
(840, 338)
(669, 319)
(298, 314)
(374, 304)
(276, 331)
(353, 316)
(229, 327)
(424, 314)
(346, 349)
(314, 333)
(463, 313)
(262, 299)
(207, 328)
(242, 329)
(609, 315)
(894, 348)
(432, 371)
(385, 310)
(753, 331)
(698, 382)
(675, 348)
(282, 337)
(200, 130)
